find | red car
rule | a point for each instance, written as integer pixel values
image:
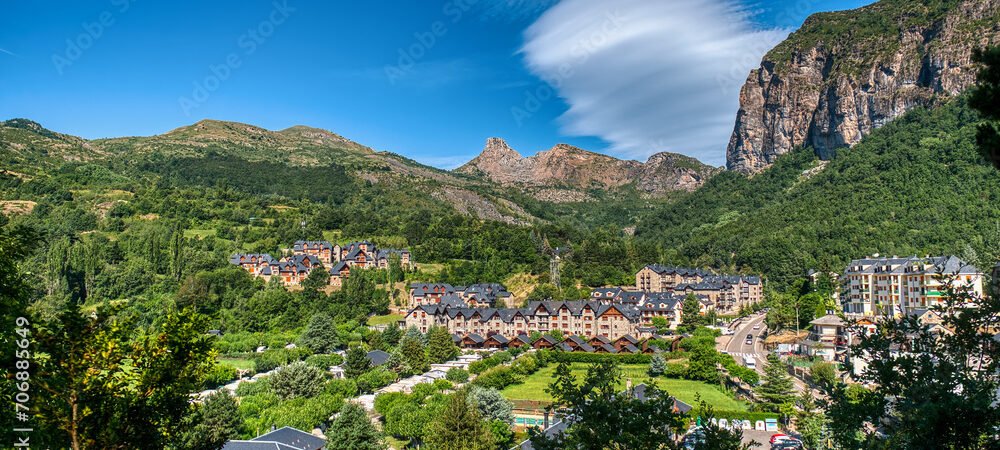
(778, 436)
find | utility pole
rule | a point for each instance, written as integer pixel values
(554, 269)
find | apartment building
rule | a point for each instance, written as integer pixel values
(481, 295)
(896, 286)
(576, 318)
(726, 292)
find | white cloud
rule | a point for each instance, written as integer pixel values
(649, 76)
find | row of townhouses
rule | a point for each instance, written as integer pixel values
(904, 286)
(578, 318)
(610, 313)
(305, 256)
(727, 292)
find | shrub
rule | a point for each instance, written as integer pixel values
(457, 375)
(598, 357)
(497, 378)
(219, 375)
(250, 388)
(677, 371)
(375, 379)
(344, 388)
(297, 380)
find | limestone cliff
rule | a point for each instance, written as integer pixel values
(574, 168)
(844, 74)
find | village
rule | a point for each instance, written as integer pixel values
(647, 319)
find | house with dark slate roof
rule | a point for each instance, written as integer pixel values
(725, 292)
(307, 256)
(285, 438)
(483, 295)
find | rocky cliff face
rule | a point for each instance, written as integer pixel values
(844, 74)
(566, 166)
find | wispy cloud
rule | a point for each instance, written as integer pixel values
(9, 52)
(667, 80)
(514, 10)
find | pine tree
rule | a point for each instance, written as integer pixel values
(459, 426)
(440, 347)
(658, 365)
(392, 335)
(691, 310)
(413, 333)
(320, 335)
(414, 357)
(777, 388)
(353, 430)
(357, 362)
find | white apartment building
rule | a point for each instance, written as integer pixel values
(878, 286)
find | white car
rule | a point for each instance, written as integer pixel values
(756, 327)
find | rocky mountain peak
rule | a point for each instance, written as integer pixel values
(568, 167)
(498, 148)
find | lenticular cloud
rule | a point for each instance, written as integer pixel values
(649, 76)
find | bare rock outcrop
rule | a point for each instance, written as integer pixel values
(847, 73)
(568, 167)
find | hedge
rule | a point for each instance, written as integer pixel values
(579, 357)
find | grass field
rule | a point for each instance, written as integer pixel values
(238, 363)
(384, 320)
(200, 234)
(687, 391)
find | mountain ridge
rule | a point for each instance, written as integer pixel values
(567, 166)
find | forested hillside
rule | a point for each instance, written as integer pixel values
(916, 186)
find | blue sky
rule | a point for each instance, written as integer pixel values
(430, 80)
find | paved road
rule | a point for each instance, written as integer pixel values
(739, 349)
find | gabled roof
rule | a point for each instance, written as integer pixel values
(378, 357)
(339, 267)
(475, 338)
(285, 438)
(499, 338)
(829, 320)
(628, 337)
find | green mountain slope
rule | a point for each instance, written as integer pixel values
(915, 186)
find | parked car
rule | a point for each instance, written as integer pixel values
(788, 444)
(779, 437)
